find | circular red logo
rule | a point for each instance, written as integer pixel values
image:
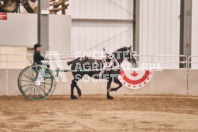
(134, 78)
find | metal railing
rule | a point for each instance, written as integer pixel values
(164, 59)
(12, 61)
(5, 59)
(175, 59)
(192, 62)
(8, 61)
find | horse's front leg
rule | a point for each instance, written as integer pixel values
(116, 80)
(108, 87)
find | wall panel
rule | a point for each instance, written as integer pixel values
(177, 84)
(86, 35)
(101, 9)
(195, 34)
(21, 30)
(159, 30)
(60, 34)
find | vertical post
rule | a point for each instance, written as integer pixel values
(39, 21)
(6, 74)
(43, 24)
(185, 28)
(63, 6)
(136, 16)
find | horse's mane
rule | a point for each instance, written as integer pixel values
(121, 49)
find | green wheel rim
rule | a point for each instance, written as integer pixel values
(19, 78)
(36, 82)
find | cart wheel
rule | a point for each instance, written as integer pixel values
(19, 78)
(36, 82)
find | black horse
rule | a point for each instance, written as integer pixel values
(88, 66)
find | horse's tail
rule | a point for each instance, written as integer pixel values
(70, 62)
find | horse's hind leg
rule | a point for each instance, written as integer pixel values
(108, 87)
(118, 82)
(73, 85)
(72, 89)
(78, 90)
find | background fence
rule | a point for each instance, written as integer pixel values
(169, 81)
(20, 61)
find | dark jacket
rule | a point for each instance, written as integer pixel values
(38, 58)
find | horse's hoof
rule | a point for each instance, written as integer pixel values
(74, 97)
(79, 93)
(110, 98)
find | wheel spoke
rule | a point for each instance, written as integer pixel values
(30, 91)
(30, 74)
(39, 92)
(34, 92)
(26, 85)
(44, 87)
(26, 81)
(28, 77)
(28, 88)
(43, 91)
(46, 83)
(33, 73)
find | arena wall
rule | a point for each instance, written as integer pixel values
(194, 34)
(101, 9)
(159, 32)
(101, 22)
(193, 83)
(21, 30)
(179, 81)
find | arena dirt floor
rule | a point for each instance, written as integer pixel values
(97, 114)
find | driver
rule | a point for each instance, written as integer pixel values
(37, 55)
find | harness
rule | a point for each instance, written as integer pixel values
(108, 66)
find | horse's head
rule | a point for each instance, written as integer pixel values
(124, 53)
